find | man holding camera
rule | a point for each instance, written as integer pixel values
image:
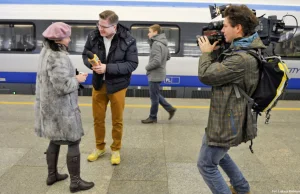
(227, 114)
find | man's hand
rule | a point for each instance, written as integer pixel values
(205, 45)
(100, 69)
(92, 62)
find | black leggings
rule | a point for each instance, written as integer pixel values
(73, 147)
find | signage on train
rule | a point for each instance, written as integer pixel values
(172, 80)
(294, 72)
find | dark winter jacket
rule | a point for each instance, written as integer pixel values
(121, 61)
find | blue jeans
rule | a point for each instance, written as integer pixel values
(156, 99)
(209, 159)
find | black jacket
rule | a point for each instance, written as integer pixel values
(121, 61)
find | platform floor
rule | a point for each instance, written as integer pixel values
(156, 158)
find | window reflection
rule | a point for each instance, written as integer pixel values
(17, 37)
(140, 33)
(191, 49)
(79, 36)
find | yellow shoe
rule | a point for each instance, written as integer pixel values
(233, 191)
(95, 155)
(115, 157)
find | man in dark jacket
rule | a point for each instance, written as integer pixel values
(228, 111)
(156, 72)
(118, 58)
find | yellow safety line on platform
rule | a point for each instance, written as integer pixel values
(144, 106)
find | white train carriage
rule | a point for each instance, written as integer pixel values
(22, 24)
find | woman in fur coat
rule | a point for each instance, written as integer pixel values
(57, 115)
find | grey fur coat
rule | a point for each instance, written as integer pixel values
(57, 115)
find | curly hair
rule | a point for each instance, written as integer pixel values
(241, 14)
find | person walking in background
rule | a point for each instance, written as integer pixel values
(156, 72)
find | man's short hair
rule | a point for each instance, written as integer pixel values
(112, 17)
(156, 28)
(241, 14)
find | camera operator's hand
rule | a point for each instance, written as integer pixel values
(205, 45)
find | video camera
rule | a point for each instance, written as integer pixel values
(269, 29)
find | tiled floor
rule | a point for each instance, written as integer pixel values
(156, 159)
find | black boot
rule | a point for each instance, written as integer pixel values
(77, 184)
(172, 113)
(149, 120)
(53, 175)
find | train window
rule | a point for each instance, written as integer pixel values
(79, 36)
(17, 37)
(140, 33)
(289, 44)
(191, 49)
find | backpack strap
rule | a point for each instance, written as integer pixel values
(238, 91)
(256, 53)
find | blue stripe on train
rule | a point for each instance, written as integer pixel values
(145, 4)
(136, 80)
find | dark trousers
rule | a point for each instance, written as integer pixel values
(156, 99)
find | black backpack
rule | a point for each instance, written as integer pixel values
(273, 80)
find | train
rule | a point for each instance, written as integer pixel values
(22, 23)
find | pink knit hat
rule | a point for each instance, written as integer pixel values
(57, 31)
